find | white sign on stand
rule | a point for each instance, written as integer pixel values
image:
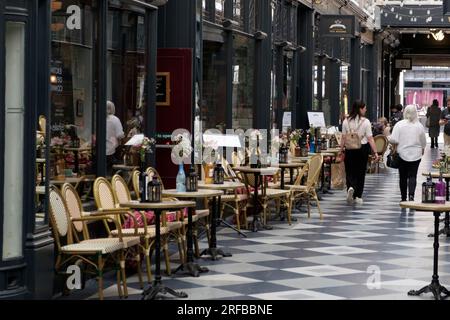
(316, 119)
(222, 140)
(136, 140)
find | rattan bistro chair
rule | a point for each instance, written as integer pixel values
(123, 195)
(75, 210)
(382, 143)
(298, 191)
(267, 194)
(197, 218)
(96, 253)
(106, 201)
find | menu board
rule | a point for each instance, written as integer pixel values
(163, 89)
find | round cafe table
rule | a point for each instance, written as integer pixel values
(216, 220)
(291, 166)
(189, 266)
(258, 174)
(446, 176)
(157, 286)
(435, 287)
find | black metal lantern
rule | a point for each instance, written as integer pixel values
(283, 153)
(429, 191)
(324, 145)
(192, 181)
(219, 174)
(154, 190)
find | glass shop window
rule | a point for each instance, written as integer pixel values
(73, 96)
(126, 74)
(243, 82)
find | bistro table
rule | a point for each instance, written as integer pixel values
(157, 286)
(258, 173)
(446, 176)
(435, 287)
(323, 189)
(189, 265)
(76, 151)
(291, 166)
(216, 220)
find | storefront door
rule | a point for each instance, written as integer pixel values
(173, 104)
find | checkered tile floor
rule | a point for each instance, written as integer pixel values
(312, 259)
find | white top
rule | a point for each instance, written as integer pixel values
(411, 140)
(114, 132)
(364, 130)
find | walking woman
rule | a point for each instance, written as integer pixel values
(356, 160)
(433, 118)
(409, 140)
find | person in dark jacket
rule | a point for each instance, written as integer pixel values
(396, 115)
(433, 118)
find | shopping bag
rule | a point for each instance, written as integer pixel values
(338, 179)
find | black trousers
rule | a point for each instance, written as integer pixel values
(434, 142)
(408, 177)
(355, 169)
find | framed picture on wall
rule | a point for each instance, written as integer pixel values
(163, 89)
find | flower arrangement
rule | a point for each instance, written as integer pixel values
(295, 135)
(255, 135)
(183, 145)
(284, 139)
(146, 146)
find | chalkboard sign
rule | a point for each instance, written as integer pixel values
(163, 89)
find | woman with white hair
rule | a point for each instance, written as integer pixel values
(409, 140)
(114, 132)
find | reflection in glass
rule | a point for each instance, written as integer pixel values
(214, 86)
(126, 73)
(243, 82)
(72, 99)
(344, 90)
(14, 139)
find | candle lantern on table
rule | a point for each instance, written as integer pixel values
(154, 190)
(192, 181)
(219, 174)
(429, 191)
(284, 151)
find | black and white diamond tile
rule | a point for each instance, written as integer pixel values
(333, 258)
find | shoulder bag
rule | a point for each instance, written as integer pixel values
(352, 138)
(393, 159)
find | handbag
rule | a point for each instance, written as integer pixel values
(352, 139)
(393, 160)
(338, 177)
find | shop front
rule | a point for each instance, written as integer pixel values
(61, 61)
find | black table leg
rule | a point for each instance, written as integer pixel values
(76, 164)
(291, 175)
(257, 224)
(157, 286)
(282, 179)
(213, 251)
(190, 266)
(435, 287)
